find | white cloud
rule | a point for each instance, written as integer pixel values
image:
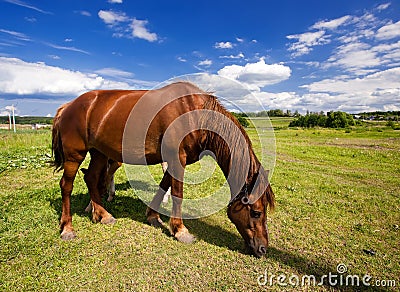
(118, 20)
(389, 31)
(377, 91)
(181, 59)
(84, 13)
(30, 19)
(114, 72)
(54, 57)
(223, 45)
(23, 78)
(280, 100)
(366, 20)
(140, 31)
(362, 58)
(383, 6)
(115, 1)
(111, 17)
(354, 56)
(26, 5)
(18, 35)
(390, 53)
(257, 74)
(206, 63)
(238, 56)
(306, 41)
(347, 29)
(73, 49)
(331, 24)
(364, 62)
(4, 113)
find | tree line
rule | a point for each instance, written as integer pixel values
(272, 113)
(332, 119)
(27, 120)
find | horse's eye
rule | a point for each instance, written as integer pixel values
(255, 214)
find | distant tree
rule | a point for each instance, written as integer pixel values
(276, 113)
(272, 113)
(339, 120)
(241, 119)
(332, 120)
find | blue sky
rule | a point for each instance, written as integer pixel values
(296, 55)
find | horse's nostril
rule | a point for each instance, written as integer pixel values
(262, 249)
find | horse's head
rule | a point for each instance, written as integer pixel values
(248, 212)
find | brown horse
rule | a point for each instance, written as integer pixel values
(175, 124)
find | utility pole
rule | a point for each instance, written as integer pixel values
(9, 120)
(13, 113)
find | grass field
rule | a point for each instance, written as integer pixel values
(338, 203)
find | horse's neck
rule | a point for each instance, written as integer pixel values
(237, 164)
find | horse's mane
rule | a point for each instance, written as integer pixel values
(222, 128)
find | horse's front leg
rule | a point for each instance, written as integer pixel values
(112, 168)
(164, 166)
(153, 217)
(177, 228)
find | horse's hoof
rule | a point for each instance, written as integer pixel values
(68, 235)
(109, 220)
(185, 237)
(156, 222)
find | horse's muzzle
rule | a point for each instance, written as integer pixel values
(257, 251)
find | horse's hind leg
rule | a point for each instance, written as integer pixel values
(95, 173)
(66, 184)
(106, 184)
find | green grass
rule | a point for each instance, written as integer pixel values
(338, 196)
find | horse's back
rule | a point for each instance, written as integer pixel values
(98, 119)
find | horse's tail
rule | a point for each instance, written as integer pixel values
(56, 143)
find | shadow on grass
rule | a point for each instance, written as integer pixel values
(120, 207)
(124, 206)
